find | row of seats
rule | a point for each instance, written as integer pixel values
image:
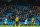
(13, 23)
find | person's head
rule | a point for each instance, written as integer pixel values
(23, 8)
(23, 19)
(6, 16)
(13, 16)
(38, 15)
(39, 19)
(16, 15)
(33, 17)
(20, 17)
(26, 19)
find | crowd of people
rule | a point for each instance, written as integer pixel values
(22, 14)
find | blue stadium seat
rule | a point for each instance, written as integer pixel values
(36, 22)
(31, 19)
(11, 23)
(8, 14)
(1, 22)
(29, 22)
(21, 22)
(8, 23)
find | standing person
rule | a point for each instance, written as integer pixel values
(32, 22)
(26, 22)
(16, 20)
(5, 21)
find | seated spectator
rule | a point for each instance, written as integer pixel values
(20, 19)
(39, 22)
(0, 19)
(38, 17)
(26, 16)
(13, 18)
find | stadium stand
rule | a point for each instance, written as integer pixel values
(8, 15)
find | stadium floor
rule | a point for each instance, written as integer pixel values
(19, 26)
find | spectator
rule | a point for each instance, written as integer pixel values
(39, 21)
